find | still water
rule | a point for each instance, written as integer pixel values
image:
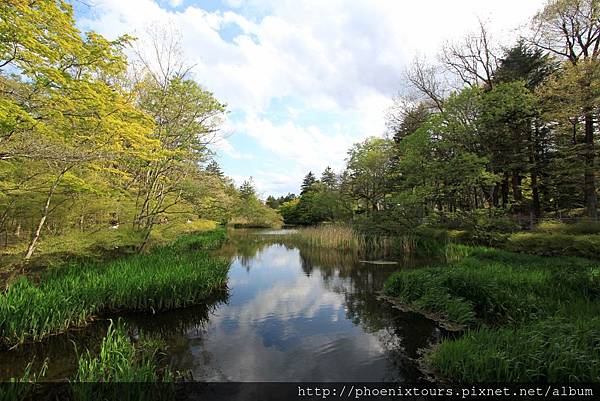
(289, 314)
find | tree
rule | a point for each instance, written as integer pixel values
(307, 183)
(474, 60)
(186, 118)
(329, 179)
(369, 172)
(570, 29)
(213, 168)
(64, 106)
(247, 190)
(405, 118)
(525, 63)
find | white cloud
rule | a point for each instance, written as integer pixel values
(345, 56)
(175, 3)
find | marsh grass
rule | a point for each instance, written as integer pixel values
(170, 277)
(496, 287)
(530, 318)
(346, 239)
(140, 363)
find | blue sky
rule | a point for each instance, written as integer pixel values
(303, 80)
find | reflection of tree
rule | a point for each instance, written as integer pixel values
(402, 334)
(180, 321)
(245, 244)
(60, 350)
(360, 284)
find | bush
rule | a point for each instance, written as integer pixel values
(546, 244)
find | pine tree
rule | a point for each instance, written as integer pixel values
(307, 183)
(329, 178)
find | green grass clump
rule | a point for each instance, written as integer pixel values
(557, 349)
(24, 387)
(495, 287)
(530, 318)
(341, 237)
(120, 360)
(167, 278)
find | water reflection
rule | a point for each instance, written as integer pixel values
(300, 314)
(289, 314)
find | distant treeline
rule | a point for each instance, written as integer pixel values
(486, 130)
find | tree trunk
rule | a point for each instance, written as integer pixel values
(589, 184)
(505, 190)
(36, 235)
(496, 195)
(516, 187)
(535, 190)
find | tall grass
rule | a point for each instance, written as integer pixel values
(141, 364)
(167, 278)
(344, 238)
(530, 318)
(494, 287)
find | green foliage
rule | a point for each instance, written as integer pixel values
(550, 244)
(249, 211)
(22, 388)
(320, 201)
(167, 278)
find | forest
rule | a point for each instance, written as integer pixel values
(477, 208)
(99, 151)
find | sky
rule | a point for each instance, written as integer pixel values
(302, 79)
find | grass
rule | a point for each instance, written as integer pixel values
(120, 360)
(517, 307)
(553, 244)
(557, 349)
(167, 278)
(22, 388)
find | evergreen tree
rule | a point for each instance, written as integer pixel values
(214, 169)
(247, 190)
(329, 178)
(307, 183)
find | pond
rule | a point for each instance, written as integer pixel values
(289, 314)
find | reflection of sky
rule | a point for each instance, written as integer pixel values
(280, 324)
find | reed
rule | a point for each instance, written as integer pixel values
(344, 238)
(24, 387)
(168, 278)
